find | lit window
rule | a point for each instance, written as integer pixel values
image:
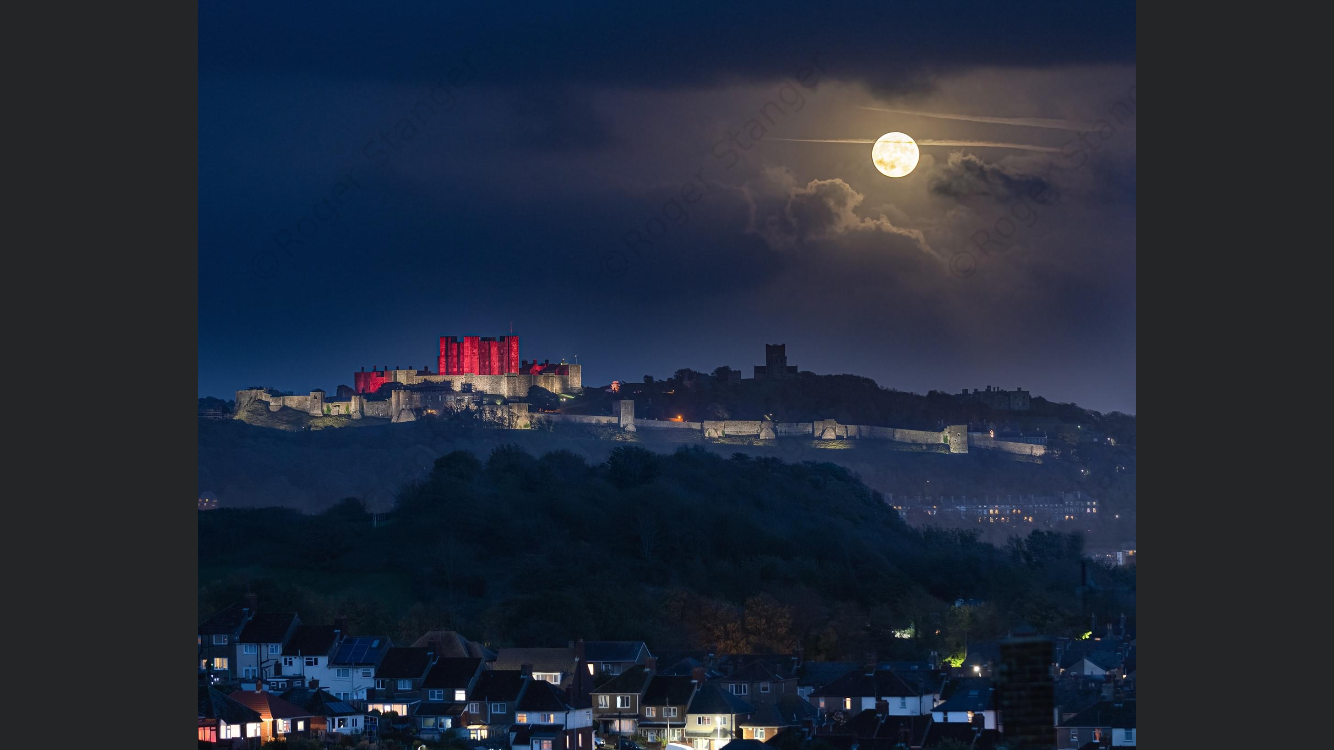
(759, 733)
(648, 711)
(847, 704)
(704, 721)
(300, 725)
(284, 726)
(602, 701)
(220, 662)
(460, 695)
(521, 718)
(622, 701)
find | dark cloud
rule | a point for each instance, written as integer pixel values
(965, 175)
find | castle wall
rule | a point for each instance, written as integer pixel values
(734, 427)
(990, 443)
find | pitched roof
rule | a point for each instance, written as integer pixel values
(450, 644)
(267, 627)
(404, 662)
(364, 650)
(225, 621)
(685, 666)
(541, 659)
(310, 640)
(668, 690)
(712, 699)
(758, 670)
(788, 711)
(498, 685)
(452, 672)
(540, 696)
(214, 704)
(1118, 715)
(971, 694)
(882, 683)
(269, 705)
(318, 702)
(632, 680)
(523, 733)
(821, 673)
(437, 708)
(613, 650)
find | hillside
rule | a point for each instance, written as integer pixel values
(683, 550)
(250, 466)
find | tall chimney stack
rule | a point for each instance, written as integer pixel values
(697, 675)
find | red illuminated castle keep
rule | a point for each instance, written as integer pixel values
(475, 355)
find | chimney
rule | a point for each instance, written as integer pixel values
(526, 670)
(314, 685)
(697, 675)
(340, 627)
(651, 663)
(882, 708)
(249, 604)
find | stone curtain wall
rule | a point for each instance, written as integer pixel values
(989, 443)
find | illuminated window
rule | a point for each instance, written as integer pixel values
(521, 718)
(460, 695)
(648, 712)
(220, 662)
(230, 731)
(704, 721)
(542, 745)
(622, 701)
(300, 725)
(284, 726)
(759, 733)
(847, 704)
(602, 701)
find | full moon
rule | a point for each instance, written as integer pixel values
(894, 154)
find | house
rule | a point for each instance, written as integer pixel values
(444, 694)
(616, 702)
(490, 708)
(555, 665)
(404, 668)
(662, 713)
(330, 716)
(909, 694)
(969, 734)
(545, 720)
(965, 699)
(398, 684)
(787, 712)
(714, 717)
(218, 637)
(351, 671)
(259, 648)
(614, 657)
(1106, 664)
(226, 723)
(813, 675)
(758, 682)
(1107, 723)
(306, 654)
(281, 719)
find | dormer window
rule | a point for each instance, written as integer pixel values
(460, 695)
(435, 695)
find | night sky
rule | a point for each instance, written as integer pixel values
(374, 177)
